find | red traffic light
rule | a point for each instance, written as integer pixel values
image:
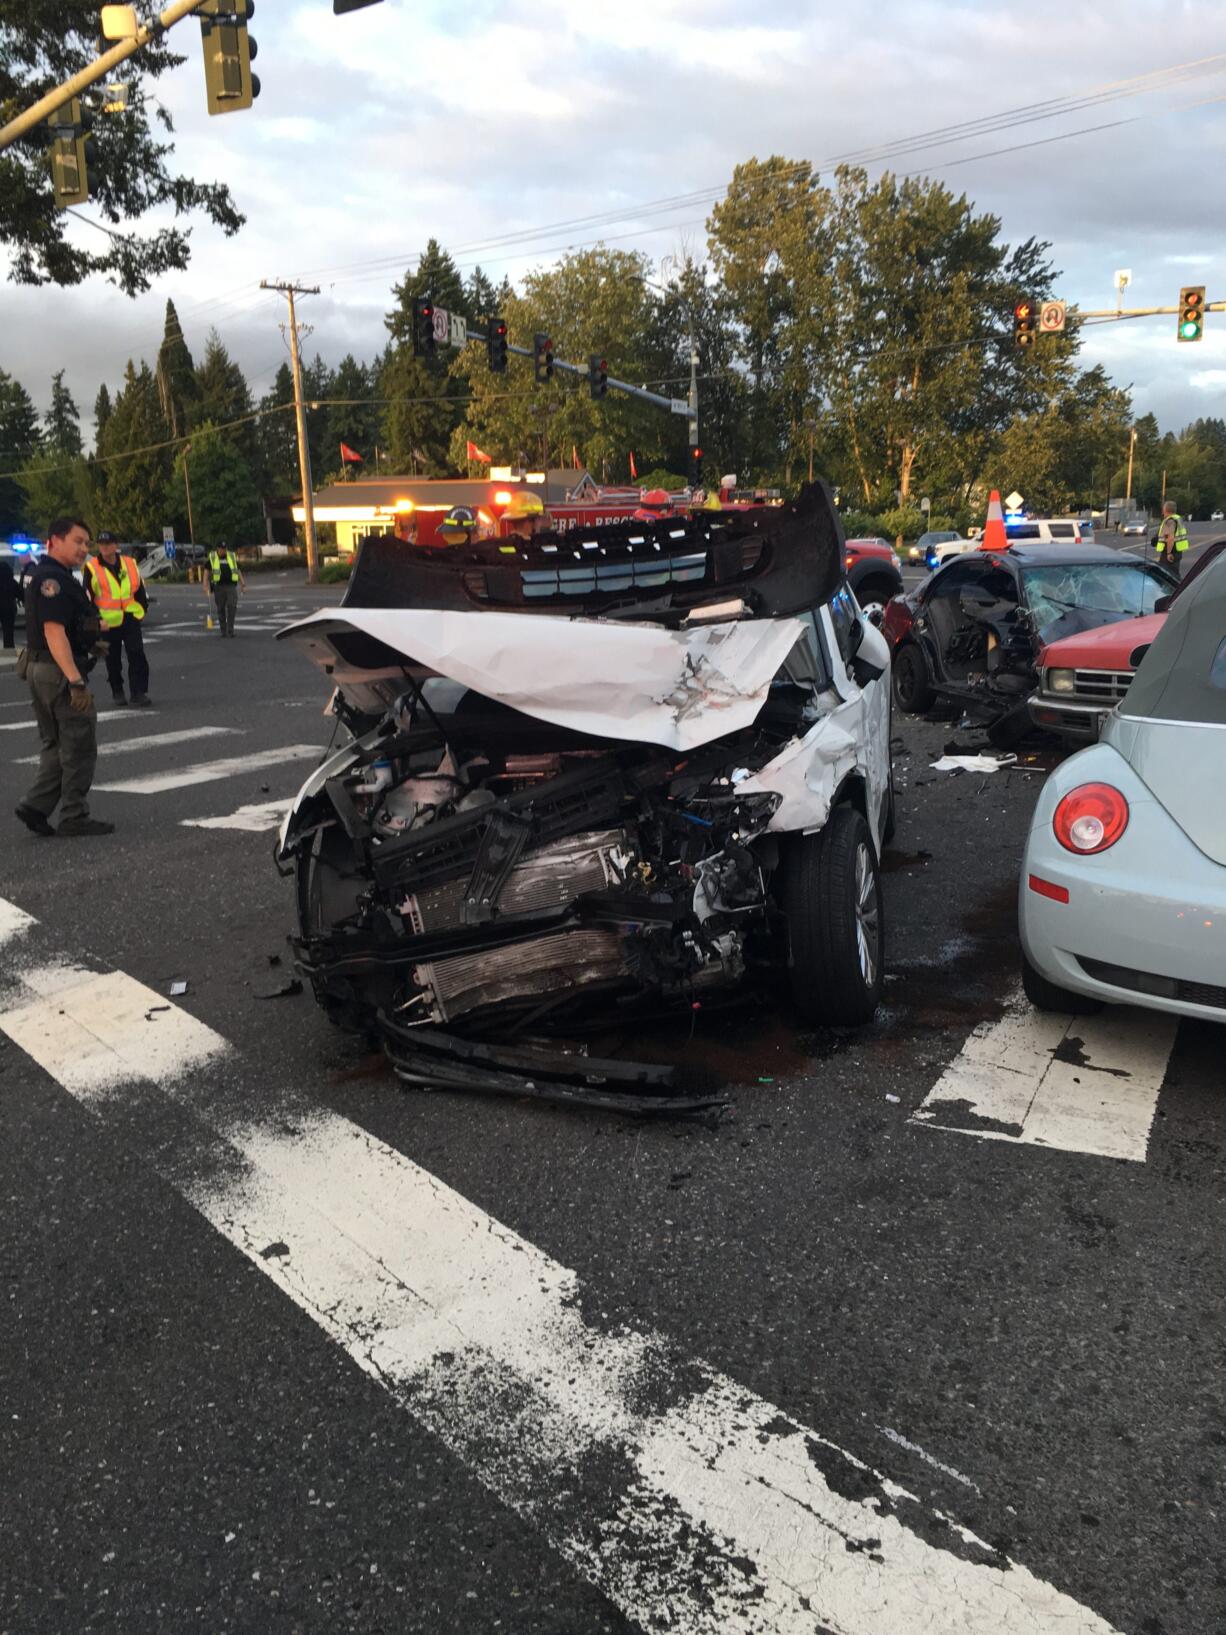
(1193, 298)
(1023, 309)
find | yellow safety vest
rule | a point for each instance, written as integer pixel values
(115, 592)
(1181, 531)
(215, 564)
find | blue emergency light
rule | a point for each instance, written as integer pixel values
(22, 543)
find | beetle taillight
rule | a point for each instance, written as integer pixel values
(1090, 818)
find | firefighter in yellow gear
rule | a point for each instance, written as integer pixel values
(114, 584)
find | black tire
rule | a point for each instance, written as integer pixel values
(890, 827)
(830, 893)
(1047, 996)
(911, 683)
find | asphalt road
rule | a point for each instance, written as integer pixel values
(208, 1427)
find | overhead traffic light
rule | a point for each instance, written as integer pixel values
(695, 466)
(598, 376)
(496, 345)
(340, 7)
(423, 327)
(1025, 319)
(229, 83)
(71, 146)
(542, 358)
(1191, 312)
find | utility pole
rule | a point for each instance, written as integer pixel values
(187, 488)
(304, 448)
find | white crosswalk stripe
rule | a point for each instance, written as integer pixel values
(103, 715)
(728, 1516)
(253, 819)
(157, 783)
(154, 740)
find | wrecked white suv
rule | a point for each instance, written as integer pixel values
(591, 776)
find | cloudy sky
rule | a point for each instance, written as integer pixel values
(418, 117)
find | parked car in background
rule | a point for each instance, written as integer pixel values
(873, 574)
(1135, 528)
(927, 547)
(1123, 889)
(1218, 516)
(973, 633)
(1083, 677)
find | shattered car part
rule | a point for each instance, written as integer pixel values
(569, 799)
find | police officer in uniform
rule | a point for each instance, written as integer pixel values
(62, 629)
(222, 577)
(115, 584)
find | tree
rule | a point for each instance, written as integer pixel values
(350, 417)
(480, 296)
(276, 436)
(176, 376)
(62, 423)
(19, 439)
(58, 480)
(133, 459)
(102, 409)
(225, 496)
(693, 308)
(420, 413)
(923, 372)
(40, 46)
(594, 301)
(771, 249)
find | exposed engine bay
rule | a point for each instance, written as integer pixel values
(543, 827)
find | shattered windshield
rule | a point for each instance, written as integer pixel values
(1067, 598)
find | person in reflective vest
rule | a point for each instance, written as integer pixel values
(115, 587)
(1172, 538)
(222, 577)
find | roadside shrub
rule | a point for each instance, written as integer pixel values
(332, 573)
(904, 521)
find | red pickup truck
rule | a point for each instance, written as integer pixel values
(1083, 677)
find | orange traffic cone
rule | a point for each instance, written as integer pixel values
(994, 537)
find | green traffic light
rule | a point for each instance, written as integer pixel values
(1189, 329)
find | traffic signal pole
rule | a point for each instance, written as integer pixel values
(96, 70)
(675, 405)
(304, 447)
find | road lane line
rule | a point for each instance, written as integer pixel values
(264, 815)
(157, 783)
(1083, 1084)
(103, 715)
(693, 1504)
(14, 921)
(185, 735)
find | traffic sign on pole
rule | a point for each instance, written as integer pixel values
(1051, 317)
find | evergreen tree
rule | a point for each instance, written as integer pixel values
(422, 411)
(132, 483)
(277, 438)
(19, 439)
(221, 391)
(62, 424)
(317, 385)
(102, 409)
(225, 495)
(351, 418)
(480, 295)
(176, 376)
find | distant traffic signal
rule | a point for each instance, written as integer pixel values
(695, 466)
(598, 376)
(1025, 318)
(496, 345)
(229, 83)
(70, 148)
(1191, 312)
(340, 7)
(542, 358)
(423, 327)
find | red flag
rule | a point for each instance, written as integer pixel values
(474, 453)
(574, 456)
(634, 470)
(350, 456)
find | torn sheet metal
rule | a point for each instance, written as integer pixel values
(630, 682)
(806, 773)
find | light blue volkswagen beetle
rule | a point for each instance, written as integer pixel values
(1123, 889)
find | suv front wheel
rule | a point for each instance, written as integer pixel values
(830, 893)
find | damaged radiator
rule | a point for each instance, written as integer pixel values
(549, 877)
(565, 960)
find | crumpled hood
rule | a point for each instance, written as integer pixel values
(629, 682)
(1107, 647)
